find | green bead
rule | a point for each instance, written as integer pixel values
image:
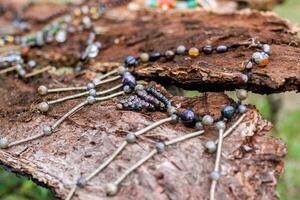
(192, 4)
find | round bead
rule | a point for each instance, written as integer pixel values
(119, 106)
(188, 117)
(21, 72)
(61, 36)
(91, 99)
(174, 118)
(194, 52)
(131, 138)
(169, 54)
(3, 143)
(208, 49)
(249, 65)
(144, 57)
(93, 92)
(266, 48)
(211, 146)
(228, 111)
(221, 49)
(92, 50)
(127, 89)
(130, 61)
(42, 90)
(220, 125)
(244, 77)
(171, 110)
(181, 50)
(139, 87)
(154, 56)
(160, 147)
(198, 126)
(241, 94)
(215, 175)
(81, 182)
(207, 120)
(242, 108)
(111, 189)
(261, 59)
(43, 106)
(90, 86)
(31, 63)
(47, 130)
(129, 80)
(121, 70)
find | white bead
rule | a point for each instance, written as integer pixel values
(43, 106)
(207, 120)
(111, 189)
(3, 143)
(211, 146)
(42, 90)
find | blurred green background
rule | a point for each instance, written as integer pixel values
(287, 127)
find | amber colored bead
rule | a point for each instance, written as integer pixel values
(194, 52)
(9, 39)
(77, 12)
(93, 10)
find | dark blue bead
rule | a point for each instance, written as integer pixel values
(188, 117)
(221, 48)
(154, 56)
(208, 49)
(130, 61)
(129, 79)
(228, 111)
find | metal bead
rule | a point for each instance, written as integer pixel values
(111, 189)
(139, 87)
(174, 118)
(91, 99)
(42, 90)
(242, 108)
(221, 49)
(208, 49)
(241, 94)
(228, 111)
(198, 126)
(181, 50)
(171, 110)
(47, 130)
(220, 125)
(131, 138)
(144, 57)
(207, 120)
(160, 147)
(43, 106)
(215, 175)
(90, 86)
(211, 146)
(127, 89)
(169, 54)
(93, 92)
(4, 143)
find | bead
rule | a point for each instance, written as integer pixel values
(174, 118)
(90, 86)
(91, 99)
(220, 125)
(208, 49)
(249, 65)
(43, 106)
(188, 117)
(241, 94)
(131, 138)
(61, 36)
(154, 56)
(169, 54)
(215, 175)
(129, 80)
(198, 126)
(139, 87)
(92, 92)
(160, 147)
(228, 111)
(181, 50)
(171, 110)
(194, 52)
(21, 72)
(221, 49)
(130, 61)
(92, 50)
(144, 57)
(3, 143)
(81, 182)
(261, 59)
(47, 130)
(242, 108)
(211, 146)
(121, 70)
(87, 22)
(42, 90)
(111, 189)
(31, 63)
(266, 48)
(119, 106)
(244, 77)
(127, 89)
(207, 120)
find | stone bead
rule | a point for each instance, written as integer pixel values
(249, 65)
(144, 57)
(22, 72)
(43, 106)
(220, 125)
(130, 61)
(207, 120)
(160, 147)
(228, 111)
(92, 92)
(131, 138)
(244, 77)
(215, 175)
(92, 50)
(111, 189)
(208, 49)
(181, 50)
(47, 130)
(194, 52)
(169, 54)
(242, 108)
(241, 94)
(188, 117)
(266, 48)
(121, 70)
(90, 86)
(129, 79)
(127, 89)
(61, 36)
(91, 99)
(199, 126)
(154, 56)
(42, 90)
(221, 49)
(261, 59)
(174, 118)
(211, 146)
(31, 63)
(139, 87)
(171, 110)
(3, 143)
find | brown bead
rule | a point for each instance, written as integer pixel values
(194, 52)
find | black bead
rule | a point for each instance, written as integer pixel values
(188, 117)
(130, 61)
(154, 56)
(228, 111)
(221, 48)
(208, 49)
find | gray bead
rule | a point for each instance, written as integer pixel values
(93, 92)
(174, 118)
(91, 99)
(144, 57)
(47, 130)
(130, 137)
(43, 106)
(241, 94)
(3, 143)
(181, 49)
(42, 90)
(220, 125)
(207, 120)
(211, 146)
(245, 78)
(127, 89)
(121, 70)
(215, 175)
(257, 57)
(160, 147)
(171, 110)
(111, 189)
(139, 87)
(81, 182)
(61, 36)
(90, 86)
(242, 108)
(198, 126)
(266, 48)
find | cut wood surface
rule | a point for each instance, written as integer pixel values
(251, 161)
